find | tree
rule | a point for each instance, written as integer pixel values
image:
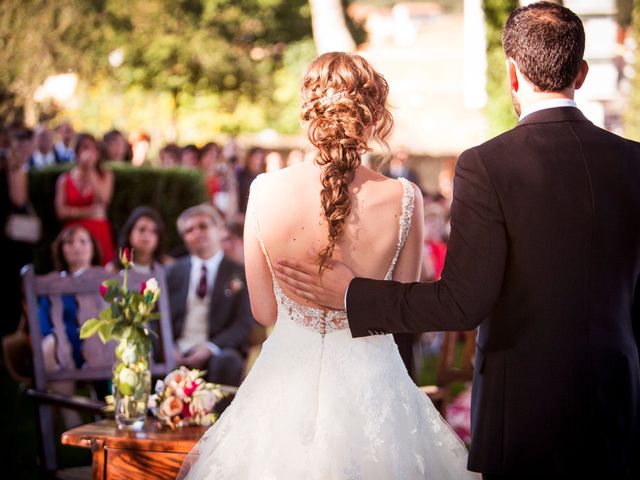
(499, 107)
(40, 38)
(232, 48)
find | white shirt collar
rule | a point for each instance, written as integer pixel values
(545, 104)
(211, 263)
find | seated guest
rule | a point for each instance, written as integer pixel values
(143, 233)
(208, 298)
(74, 250)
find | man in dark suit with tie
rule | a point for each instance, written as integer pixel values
(544, 256)
(209, 303)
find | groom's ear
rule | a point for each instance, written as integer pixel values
(582, 74)
(512, 75)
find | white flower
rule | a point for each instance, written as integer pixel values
(160, 386)
(128, 377)
(202, 401)
(129, 355)
(151, 286)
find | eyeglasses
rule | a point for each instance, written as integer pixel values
(197, 226)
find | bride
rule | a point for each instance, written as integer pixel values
(319, 404)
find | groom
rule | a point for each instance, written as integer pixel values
(544, 256)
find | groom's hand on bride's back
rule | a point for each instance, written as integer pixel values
(304, 279)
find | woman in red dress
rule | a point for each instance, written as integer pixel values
(83, 195)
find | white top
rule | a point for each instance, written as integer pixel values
(196, 322)
(545, 104)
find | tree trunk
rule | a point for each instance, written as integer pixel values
(330, 32)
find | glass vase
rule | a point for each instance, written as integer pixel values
(131, 386)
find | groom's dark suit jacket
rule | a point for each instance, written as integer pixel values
(230, 319)
(544, 256)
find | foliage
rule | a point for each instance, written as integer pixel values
(125, 320)
(231, 49)
(38, 39)
(170, 191)
(632, 119)
(499, 108)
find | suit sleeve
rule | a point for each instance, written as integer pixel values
(472, 277)
(236, 334)
(635, 314)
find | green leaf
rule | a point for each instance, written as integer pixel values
(105, 331)
(90, 327)
(105, 314)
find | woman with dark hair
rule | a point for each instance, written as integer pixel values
(143, 233)
(74, 250)
(83, 195)
(318, 403)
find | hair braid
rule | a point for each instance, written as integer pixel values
(344, 103)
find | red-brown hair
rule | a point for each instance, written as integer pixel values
(344, 103)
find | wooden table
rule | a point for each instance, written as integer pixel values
(152, 453)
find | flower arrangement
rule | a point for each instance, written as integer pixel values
(125, 320)
(184, 398)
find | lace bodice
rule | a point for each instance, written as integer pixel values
(324, 321)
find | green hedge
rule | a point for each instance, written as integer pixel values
(169, 191)
(499, 107)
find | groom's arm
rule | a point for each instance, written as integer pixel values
(471, 279)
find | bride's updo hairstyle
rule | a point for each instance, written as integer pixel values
(344, 104)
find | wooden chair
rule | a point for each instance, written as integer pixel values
(98, 358)
(448, 372)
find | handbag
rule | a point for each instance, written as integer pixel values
(23, 227)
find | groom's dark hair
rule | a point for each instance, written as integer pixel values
(546, 40)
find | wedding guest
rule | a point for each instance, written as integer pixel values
(143, 233)
(190, 156)
(16, 147)
(116, 147)
(208, 299)
(220, 179)
(398, 167)
(140, 144)
(274, 161)
(64, 146)
(74, 250)
(233, 240)
(44, 154)
(83, 194)
(254, 166)
(170, 155)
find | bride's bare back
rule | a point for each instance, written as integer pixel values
(286, 205)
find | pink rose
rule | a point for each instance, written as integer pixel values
(103, 290)
(190, 387)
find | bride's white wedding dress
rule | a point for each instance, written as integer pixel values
(319, 404)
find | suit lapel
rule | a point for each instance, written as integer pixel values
(218, 297)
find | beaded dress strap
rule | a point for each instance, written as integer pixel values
(406, 217)
(256, 224)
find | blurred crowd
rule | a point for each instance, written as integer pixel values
(211, 233)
